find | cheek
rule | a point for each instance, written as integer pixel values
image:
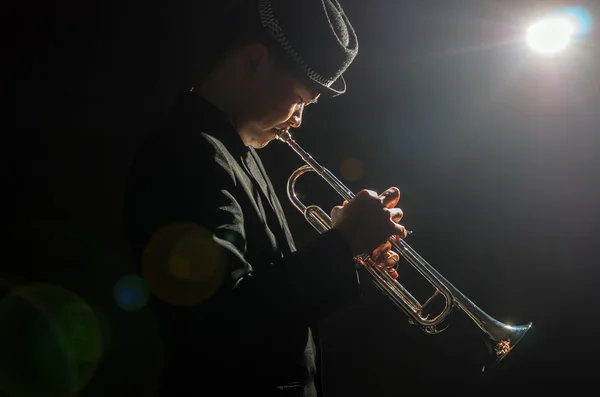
(283, 113)
(277, 112)
(274, 105)
(284, 107)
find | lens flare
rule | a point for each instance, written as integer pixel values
(131, 293)
(50, 340)
(352, 169)
(184, 265)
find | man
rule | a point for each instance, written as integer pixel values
(237, 303)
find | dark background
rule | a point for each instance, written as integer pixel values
(493, 147)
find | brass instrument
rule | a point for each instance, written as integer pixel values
(500, 338)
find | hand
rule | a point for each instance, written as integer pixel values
(387, 259)
(369, 220)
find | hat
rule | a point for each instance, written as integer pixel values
(315, 37)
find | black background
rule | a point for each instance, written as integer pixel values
(493, 147)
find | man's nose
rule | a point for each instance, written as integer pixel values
(296, 119)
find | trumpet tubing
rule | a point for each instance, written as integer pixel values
(500, 338)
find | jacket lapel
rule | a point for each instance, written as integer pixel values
(269, 192)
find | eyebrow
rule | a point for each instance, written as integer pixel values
(307, 102)
(312, 96)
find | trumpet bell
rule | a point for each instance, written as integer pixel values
(502, 339)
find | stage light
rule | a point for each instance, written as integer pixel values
(550, 36)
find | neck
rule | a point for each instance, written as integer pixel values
(218, 89)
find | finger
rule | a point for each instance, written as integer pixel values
(393, 273)
(400, 231)
(396, 214)
(392, 259)
(383, 248)
(397, 237)
(388, 260)
(390, 197)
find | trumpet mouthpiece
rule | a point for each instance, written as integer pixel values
(284, 135)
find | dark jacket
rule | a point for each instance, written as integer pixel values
(240, 313)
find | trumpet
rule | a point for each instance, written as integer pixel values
(499, 338)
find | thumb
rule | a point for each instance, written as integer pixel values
(335, 212)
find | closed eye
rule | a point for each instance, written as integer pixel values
(306, 103)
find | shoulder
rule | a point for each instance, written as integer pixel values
(193, 141)
(173, 151)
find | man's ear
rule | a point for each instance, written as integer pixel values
(255, 58)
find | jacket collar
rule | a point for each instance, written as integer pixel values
(207, 118)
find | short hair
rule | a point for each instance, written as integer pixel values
(240, 29)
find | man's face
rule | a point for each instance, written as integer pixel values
(275, 100)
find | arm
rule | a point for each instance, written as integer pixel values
(198, 190)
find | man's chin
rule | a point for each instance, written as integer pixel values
(260, 144)
(267, 137)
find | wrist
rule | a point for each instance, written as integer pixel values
(348, 240)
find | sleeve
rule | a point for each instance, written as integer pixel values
(194, 187)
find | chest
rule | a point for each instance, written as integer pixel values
(265, 226)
